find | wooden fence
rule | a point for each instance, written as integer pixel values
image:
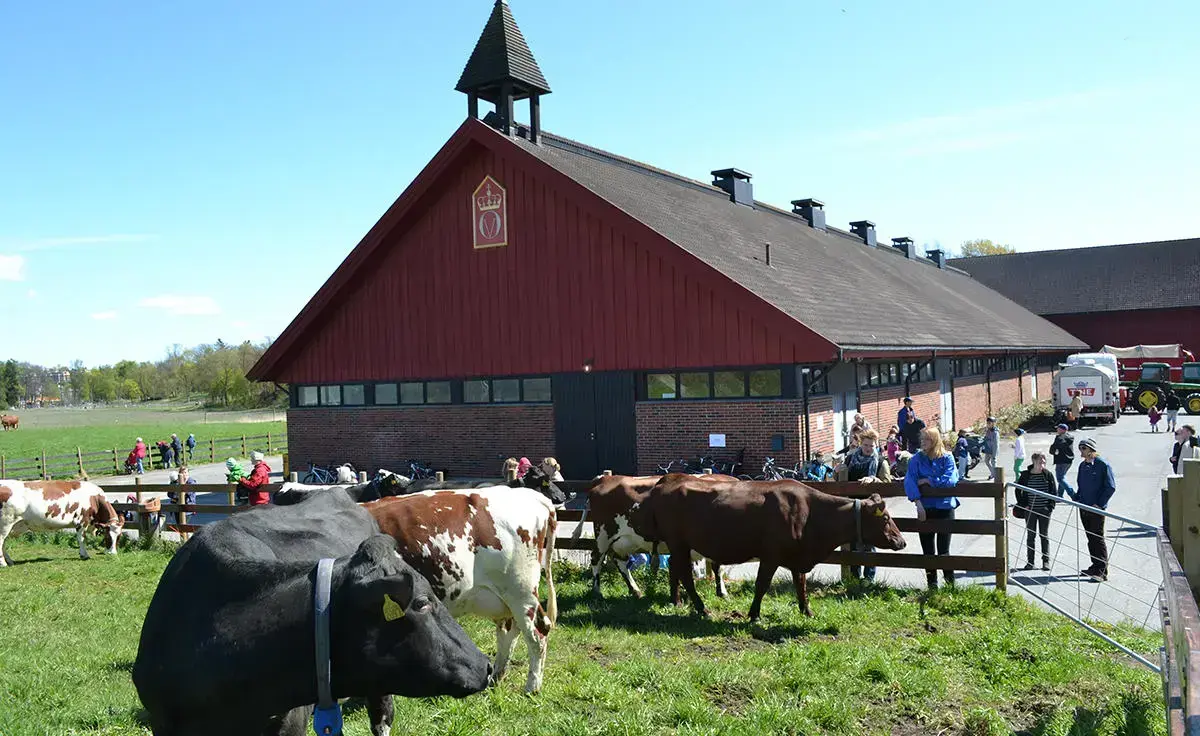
(83, 463)
(1179, 553)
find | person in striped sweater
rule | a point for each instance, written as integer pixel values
(1037, 522)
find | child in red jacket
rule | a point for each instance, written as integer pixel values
(1155, 415)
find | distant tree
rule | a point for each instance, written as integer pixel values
(102, 385)
(984, 247)
(52, 391)
(10, 382)
(78, 381)
(131, 390)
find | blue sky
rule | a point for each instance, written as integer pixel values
(179, 172)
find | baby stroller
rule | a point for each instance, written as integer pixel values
(131, 463)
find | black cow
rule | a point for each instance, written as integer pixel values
(385, 483)
(535, 479)
(227, 645)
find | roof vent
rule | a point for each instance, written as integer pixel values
(864, 229)
(905, 246)
(812, 210)
(937, 256)
(737, 183)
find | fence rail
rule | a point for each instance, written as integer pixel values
(85, 463)
(1179, 553)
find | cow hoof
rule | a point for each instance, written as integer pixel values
(110, 551)
(808, 613)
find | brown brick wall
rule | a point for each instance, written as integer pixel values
(1045, 384)
(970, 401)
(1005, 391)
(679, 430)
(880, 405)
(463, 440)
(820, 412)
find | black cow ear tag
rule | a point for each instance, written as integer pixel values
(391, 609)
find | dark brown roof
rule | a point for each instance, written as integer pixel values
(853, 295)
(501, 54)
(1106, 278)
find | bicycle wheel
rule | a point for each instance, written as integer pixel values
(745, 477)
(309, 479)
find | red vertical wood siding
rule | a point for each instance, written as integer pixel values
(1135, 327)
(571, 286)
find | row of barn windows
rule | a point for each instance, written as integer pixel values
(416, 393)
(766, 383)
(892, 374)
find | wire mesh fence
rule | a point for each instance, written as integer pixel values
(1088, 564)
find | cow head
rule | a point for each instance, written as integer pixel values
(106, 518)
(389, 483)
(878, 527)
(398, 637)
(538, 480)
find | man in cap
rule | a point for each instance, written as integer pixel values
(991, 446)
(904, 418)
(1096, 485)
(255, 484)
(1063, 452)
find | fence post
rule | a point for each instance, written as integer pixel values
(439, 476)
(3, 469)
(45, 470)
(294, 477)
(268, 452)
(79, 457)
(1191, 522)
(287, 466)
(1001, 509)
(1176, 532)
(608, 472)
(362, 476)
(232, 492)
(116, 468)
(212, 449)
(706, 471)
(143, 517)
(243, 446)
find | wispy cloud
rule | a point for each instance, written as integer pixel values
(26, 246)
(971, 130)
(12, 268)
(32, 293)
(104, 315)
(182, 305)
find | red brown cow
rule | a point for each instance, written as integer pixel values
(779, 523)
(8, 422)
(610, 497)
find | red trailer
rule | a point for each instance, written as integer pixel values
(1129, 360)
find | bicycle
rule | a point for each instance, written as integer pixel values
(419, 470)
(673, 466)
(770, 471)
(318, 475)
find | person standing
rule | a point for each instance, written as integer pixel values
(1018, 452)
(1075, 411)
(139, 452)
(177, 449)
(930, 468)
(893, 445)
(1154, 416)
(1037, 520)
(1173, 407)
(991, 446)
(191, 445)
(1096, 485)
(1187, 446)
(1063, 452)
(904, 418)
(962, 454)
(863, 465)
(860, 423)
(259, 478)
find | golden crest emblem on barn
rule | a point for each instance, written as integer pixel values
(489, 214)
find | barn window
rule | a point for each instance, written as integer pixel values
(818, 387)
(410, 392)
(506, 390)
(694, 386)
(308, 396)
(729, 384)
(477, 392)
(331, 396)
(437, 392)
(536, 389)
(354, 394)
(661, 386)
(766, 383)
(385, 394)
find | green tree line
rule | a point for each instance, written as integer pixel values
(214, 373)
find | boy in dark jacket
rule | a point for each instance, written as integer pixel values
(1063, 452)
(1096, 487)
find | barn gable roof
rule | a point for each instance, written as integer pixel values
(1106, 278)
(862, 299)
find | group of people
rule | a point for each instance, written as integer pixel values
(170, 453)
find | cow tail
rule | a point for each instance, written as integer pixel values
(575, 535)
(551, 596)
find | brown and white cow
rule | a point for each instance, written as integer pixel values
(779, 523)
(56, 504)
(483, 550)
(610, 497)
(9, 421)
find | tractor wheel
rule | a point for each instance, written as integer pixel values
(1192, 402)
(1149, 396)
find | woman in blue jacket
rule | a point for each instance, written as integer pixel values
(932, 467)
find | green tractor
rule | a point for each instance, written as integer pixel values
(1155, 384)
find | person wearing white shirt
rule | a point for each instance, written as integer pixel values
(1018, 452)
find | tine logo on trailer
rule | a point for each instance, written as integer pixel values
(1081, 388)
(489, 214)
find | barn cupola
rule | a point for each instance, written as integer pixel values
(501, 71)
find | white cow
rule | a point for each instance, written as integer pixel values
(56, 504)
(484, 551)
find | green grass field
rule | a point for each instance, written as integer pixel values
(60, 431)
(871, 661)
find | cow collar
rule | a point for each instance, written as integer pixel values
(327, 717)
(858, 541)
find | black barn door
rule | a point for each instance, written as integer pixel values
(594, 424)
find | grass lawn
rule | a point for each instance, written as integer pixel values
(60, 431)
(871, 661)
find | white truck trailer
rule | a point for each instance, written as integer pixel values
(1093, 378)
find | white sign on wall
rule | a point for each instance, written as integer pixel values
(716, 440)
(820, 422)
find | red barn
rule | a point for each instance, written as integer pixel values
(531, 295)
(1119, 295)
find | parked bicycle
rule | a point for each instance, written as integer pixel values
(320, 475)
(771, 471)
(418, 470)
(673, 466)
